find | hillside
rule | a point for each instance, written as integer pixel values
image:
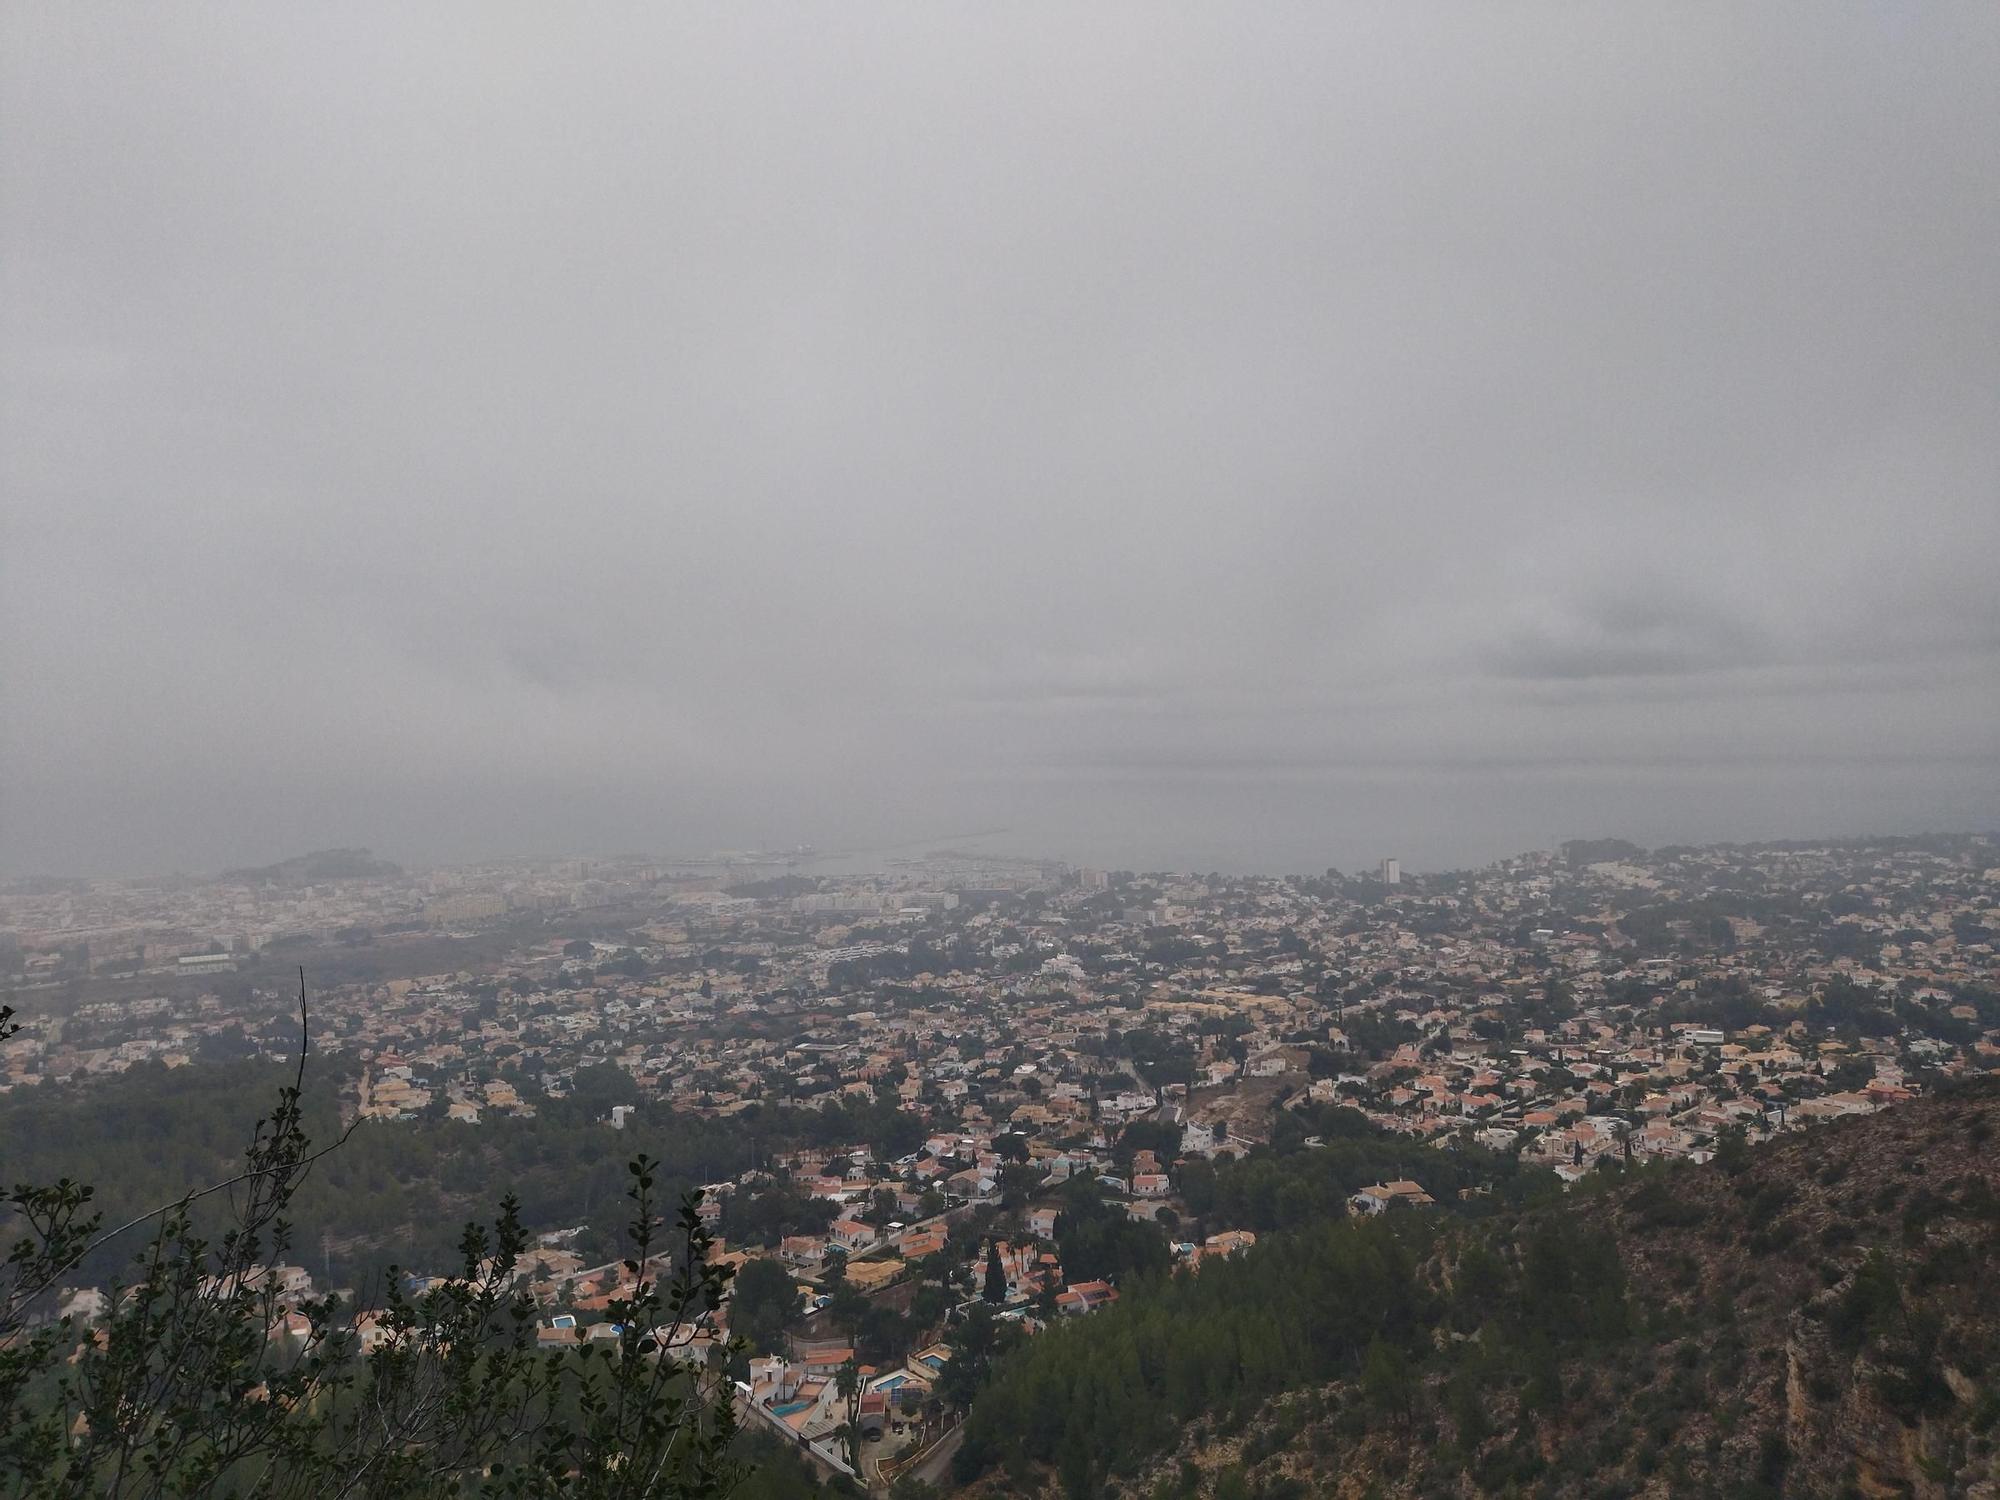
(1816, 1317)
(318, 867)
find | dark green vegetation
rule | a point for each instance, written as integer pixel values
(1266, 1191)
(769, 1470)
(1107, 1393)
(143, 1136)
(1097, 1240)
(764, 1305)
(1817, 1317)
(198, 1380)
(194, 1385)
(1339, 1298)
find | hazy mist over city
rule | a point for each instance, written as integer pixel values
(1168, 437)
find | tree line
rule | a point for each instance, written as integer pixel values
(1362, 1300)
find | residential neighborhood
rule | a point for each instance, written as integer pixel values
(1049, 1074)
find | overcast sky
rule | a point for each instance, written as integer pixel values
(1192, 436)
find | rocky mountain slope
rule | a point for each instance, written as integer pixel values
(1816, 1317)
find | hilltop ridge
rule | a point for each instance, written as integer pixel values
(315, 867)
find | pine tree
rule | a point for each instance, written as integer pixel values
(189, 1388)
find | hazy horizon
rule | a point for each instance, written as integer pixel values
(1181, 438)
(857, 858)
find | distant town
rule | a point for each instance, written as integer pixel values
(1050, 1038)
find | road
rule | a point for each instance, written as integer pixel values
(936, 1467)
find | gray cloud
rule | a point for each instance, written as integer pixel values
(1648, 629)
(482, 429)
